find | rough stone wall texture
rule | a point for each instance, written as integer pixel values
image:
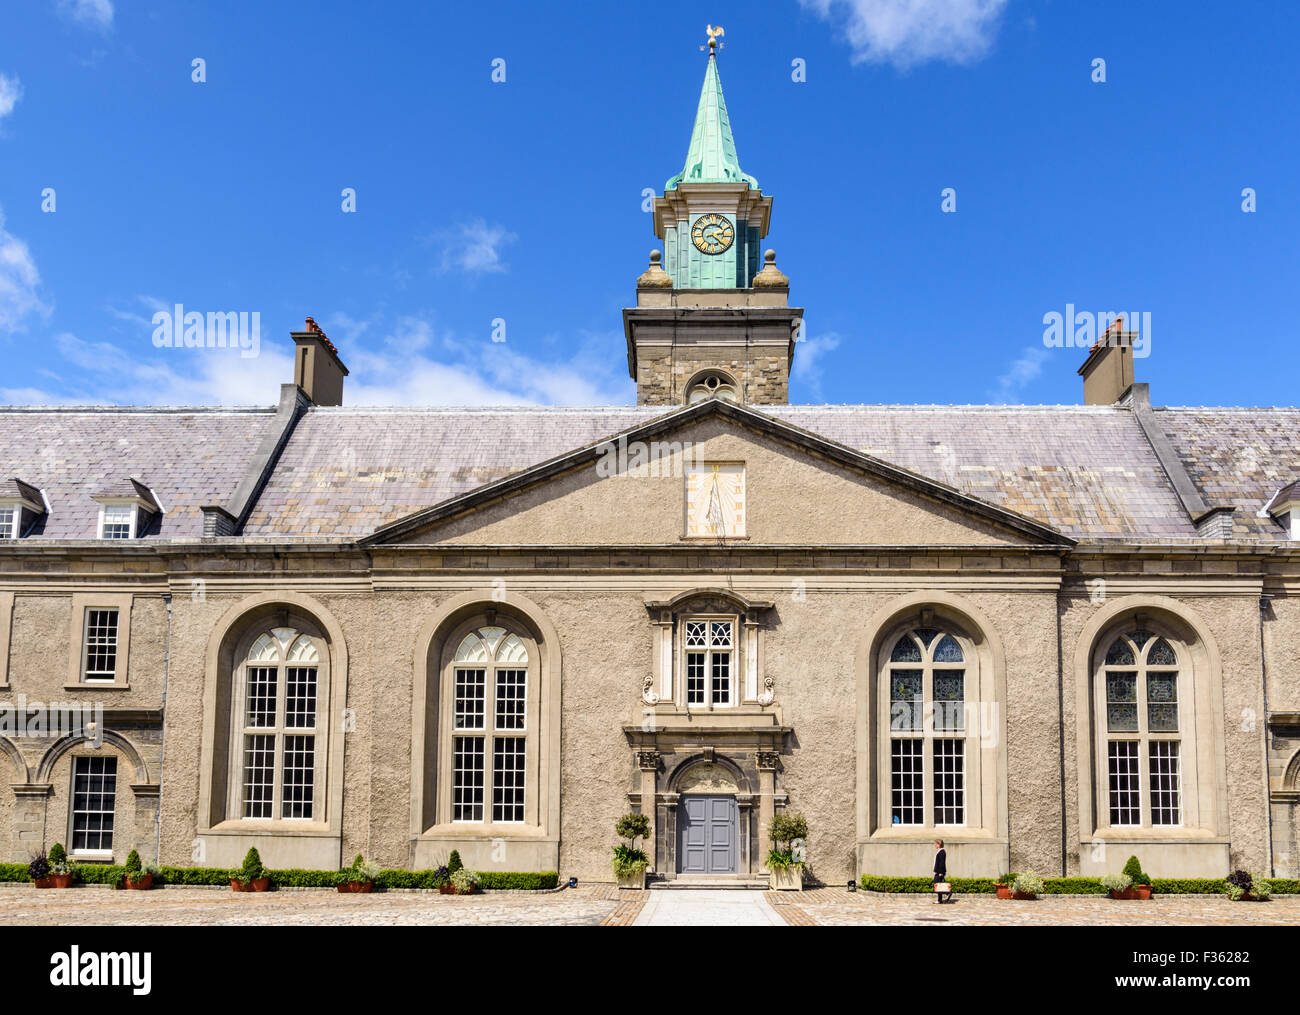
(662, 376)
(1282, 642)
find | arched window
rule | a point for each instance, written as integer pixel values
(1142, 681)
(930, 679)
(712, 384)
(490, 749)
(278, 730)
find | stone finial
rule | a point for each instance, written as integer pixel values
(654, 277)
(770, 277)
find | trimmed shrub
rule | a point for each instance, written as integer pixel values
(57, 854)
(1134, 870)
(454, 864)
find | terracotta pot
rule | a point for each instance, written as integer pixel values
(1142, 891)
(62, 880)
(140, 884)
(1024, 896)
(1004, 891)
(357, 886)
(447, 889)
(44, 882)
(257, 885)
(1127, 893)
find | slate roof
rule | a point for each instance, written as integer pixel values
(1087, 471)
(188, 457)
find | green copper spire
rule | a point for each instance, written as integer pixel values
(712, 155)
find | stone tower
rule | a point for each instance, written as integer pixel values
(708, 321)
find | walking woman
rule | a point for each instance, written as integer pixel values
(940, 871)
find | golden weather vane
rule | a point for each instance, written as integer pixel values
(714, 35)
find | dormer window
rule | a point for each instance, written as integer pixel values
(126, 511)
(1284, 509)
(21, 504)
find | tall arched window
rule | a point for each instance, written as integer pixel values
(1139, 693)
(925, 692)
(490, 749)
(277, 726)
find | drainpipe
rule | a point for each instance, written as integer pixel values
(162, 742)
(1265, 604)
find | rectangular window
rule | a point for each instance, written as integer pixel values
(695, 678)
(1125, 803)
(299, 776)
(709, 645)
(722, 678)
(1121, 702)
(259, 774)
(908, 800)
(259, 697)
(467, 779)
(8, 520)
(300, 698)
(949, 782)
(1166, 789)
(94, 793)
(117, 522)
(508, 779)
(512, 686)
(470, 696)
(100, 651)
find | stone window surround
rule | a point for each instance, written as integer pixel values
(82, 604)
(295, 843)
(529, 847)
(6, 624)
(1201, 843)
(667, 680)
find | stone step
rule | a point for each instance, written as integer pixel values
(681, 884)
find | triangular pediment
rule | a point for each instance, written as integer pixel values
(718, 474)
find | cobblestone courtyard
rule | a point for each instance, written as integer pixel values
(593, 905)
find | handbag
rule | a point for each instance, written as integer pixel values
(943, 887)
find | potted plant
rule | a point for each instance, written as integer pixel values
(1139, 878)
(629, 863)
(444, 874)
(785, 859)
(360, 877)
(1120, 886)
(62, 871)
(1003, 885)
(136, 875)
(464, 882)
(252, 876)
(1026, 886)
(1245, 887)
(39, 871)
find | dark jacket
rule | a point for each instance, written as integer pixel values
(941, 864)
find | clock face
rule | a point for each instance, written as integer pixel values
(712, 233)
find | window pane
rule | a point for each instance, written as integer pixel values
(948, 651)
(926, 635)
(697, 634)
(905, 704)
(1166, 790)
(1120, 653)
(260, 697)
(1162, 702)
(907, 802)
(721, 687)
(101, 644)
(1121, 702)
(470, 697)
(949, 700)
(905, 651)
(7, 523)
(949, 787)
(1125, 807)
(1140, 638)
(467, 779)
(259, 774)
(299, 776)
(508, 779)
(695, 678)
(720, 633)
(117, 522)
(1161, 654)
(511, 699)
(300, 698)
(94, 795)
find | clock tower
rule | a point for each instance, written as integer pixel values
(712, 317)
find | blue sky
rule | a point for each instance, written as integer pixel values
(522, 200)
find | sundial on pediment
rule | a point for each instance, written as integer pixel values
(715, 500)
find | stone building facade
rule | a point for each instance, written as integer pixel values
(1053, 635)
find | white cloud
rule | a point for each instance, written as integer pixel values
(19, 282)
(807, 361)
(11, 90)
(1022, 372)
(909, 32)
(474, 247)
(97, 14)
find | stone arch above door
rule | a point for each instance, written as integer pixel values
(709, 773)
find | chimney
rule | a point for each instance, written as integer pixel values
(317, 368)
(1108, 371)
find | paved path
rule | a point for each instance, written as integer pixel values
(707, 908)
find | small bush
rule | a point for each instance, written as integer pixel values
(252, 868)
(57, 854)
(1135, 872)
(787, 828)
(1028, 884)
(632, 827)
(39, 868)
(133, 865)
(1116, 882)
(628, 862)
(454, 864)
(465, 882)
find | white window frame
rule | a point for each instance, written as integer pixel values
(100, 678)
(132, 521)
(16, 514)
(73, 811)
(733, 651)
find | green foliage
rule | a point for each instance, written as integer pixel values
(454, 864)
(1134, 870)
(787, 827)
(57, 854)
(252, 868)
(631, 827)
(628, 862)
(518, 881)
(39, 868)
(1028, 884)
(465, 882)
(359, 871)
(1285, 886)
(358, 860)
(923, 886)
(133, 864)
(1116, 882)
(781, 859)
(1241, 883)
